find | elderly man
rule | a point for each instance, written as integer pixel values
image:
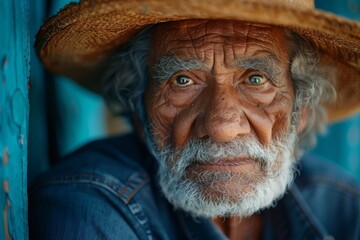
(227, 96)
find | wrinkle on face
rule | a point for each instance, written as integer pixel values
(220, 100)
(196, 38)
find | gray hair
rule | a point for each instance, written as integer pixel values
(126, 78)
(313, 88)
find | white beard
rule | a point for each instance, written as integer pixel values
(205, 195)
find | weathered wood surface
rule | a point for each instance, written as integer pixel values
(14, 108)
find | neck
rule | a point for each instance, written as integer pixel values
(240, 228)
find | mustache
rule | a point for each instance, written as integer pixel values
(206, 151)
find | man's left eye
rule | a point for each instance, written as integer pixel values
(256, 80)
(183, 81)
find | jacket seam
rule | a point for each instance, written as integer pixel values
(118, 188)
(124, 192)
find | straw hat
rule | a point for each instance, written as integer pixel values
(78, 40)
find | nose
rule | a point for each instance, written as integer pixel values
(223, 119)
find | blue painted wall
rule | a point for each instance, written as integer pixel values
(71, 116)
(14, 107)
(38, 140)
(341, 143)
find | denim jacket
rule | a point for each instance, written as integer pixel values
(108, 190)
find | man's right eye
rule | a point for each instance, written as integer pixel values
(183, 81)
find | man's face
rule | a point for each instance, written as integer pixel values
(219, 104)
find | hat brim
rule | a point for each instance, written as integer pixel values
(78, 41)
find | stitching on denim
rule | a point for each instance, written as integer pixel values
(141, 218)
(123, 189)
(135, 177)
(132, 186)
(74, 178)
(136, 189)
(116, 187)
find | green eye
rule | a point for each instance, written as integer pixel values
(256, 80)
(183, 81)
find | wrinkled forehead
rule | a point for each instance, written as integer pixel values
(199, 34)
(196, 26)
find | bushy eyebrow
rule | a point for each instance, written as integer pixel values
(169, 65)
(267, 64)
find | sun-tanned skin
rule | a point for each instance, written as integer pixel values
(221, 101)
(220, 104)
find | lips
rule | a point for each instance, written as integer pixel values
(232, 162)
(227, 165)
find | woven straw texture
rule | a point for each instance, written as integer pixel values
(78, 41)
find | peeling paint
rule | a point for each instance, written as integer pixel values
(14, 104)
(5, 219)
(6, 186)
(6, 211)
(5, 156)
(21, 139)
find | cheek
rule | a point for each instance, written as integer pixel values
(255, 104)
(181, 99)
(268, 113)
(163, 110)
(280, 112)
(160, 117)
(259, 98)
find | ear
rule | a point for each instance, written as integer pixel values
(304, 113)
